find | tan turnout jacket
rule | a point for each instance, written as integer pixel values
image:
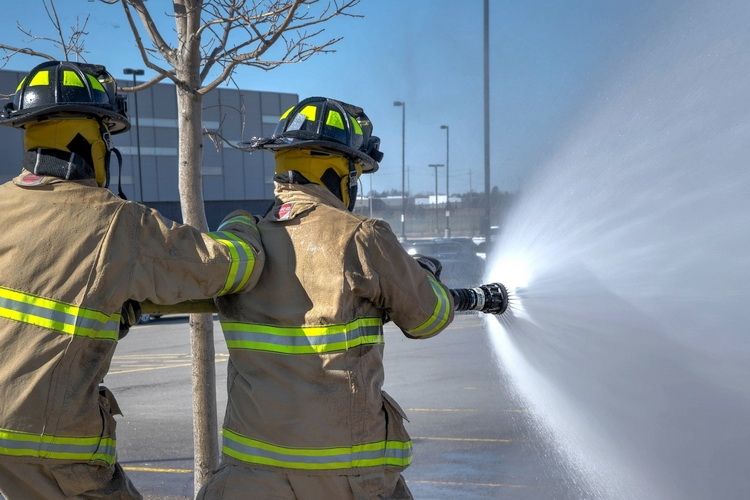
(306, 344)
(71, 254)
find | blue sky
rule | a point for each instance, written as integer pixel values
(547, 58)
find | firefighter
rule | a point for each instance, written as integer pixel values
(75, 259)
(306, 416)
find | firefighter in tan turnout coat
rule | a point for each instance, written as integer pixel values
(72, 253)
(306, 416)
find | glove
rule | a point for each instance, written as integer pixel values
(431, 264)
(129, 316)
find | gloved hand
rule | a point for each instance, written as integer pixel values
(430, 263)
(129, 316)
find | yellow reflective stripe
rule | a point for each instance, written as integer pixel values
(242, 261)
(71, 79)
(310, 112)
(379, 453)
(246, 267)
(440, 314)
(20, 84)
(286, 113)
(305, 339)
(95, 84)
(356, 126)
(25, 444)
(58, 316)
(334, 119)
(41, 78)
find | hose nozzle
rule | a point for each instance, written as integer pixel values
(491, 298)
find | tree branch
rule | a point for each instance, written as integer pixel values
(164, 49)
(144, 52)
(12, 51)
(144, 85)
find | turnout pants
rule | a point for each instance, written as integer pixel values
(232, 482)
(44, 481)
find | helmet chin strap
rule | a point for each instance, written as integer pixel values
(111, 149)
(353, 177)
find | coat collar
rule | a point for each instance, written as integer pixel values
(295, 199)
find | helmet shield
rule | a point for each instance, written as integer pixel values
(62, 88)
(327, 125)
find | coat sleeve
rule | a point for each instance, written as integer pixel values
(391, 279)
(176, 262)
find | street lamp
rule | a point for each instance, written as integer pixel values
(447, 181)
(436, 166)
(403, 167)
(137, 72)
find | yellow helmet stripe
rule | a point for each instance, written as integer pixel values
(310, 112)
(334, 119)
(71, 79)
(41, 78)
(286, 113)
(355, 126)
(95, 84)
(20, 84)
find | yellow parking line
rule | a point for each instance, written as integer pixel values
(165, 470)
(468, 440)
(465, 483)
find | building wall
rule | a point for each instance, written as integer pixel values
(228, 174)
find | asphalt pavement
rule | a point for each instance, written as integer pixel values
(472, 438)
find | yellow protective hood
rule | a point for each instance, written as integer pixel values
(315, 166)
(81, 136)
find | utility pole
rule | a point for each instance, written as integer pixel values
(137, 72)
(402, 104)
(436, 166)
(447, 182)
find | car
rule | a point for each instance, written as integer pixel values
(462, 267)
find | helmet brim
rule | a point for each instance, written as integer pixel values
(115, 122)
(369, 165)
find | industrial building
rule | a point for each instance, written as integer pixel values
(231, 178)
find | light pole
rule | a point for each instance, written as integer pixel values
(402, 104)
(486, 218)
(447, 181)
(436, 166)
(137, 72)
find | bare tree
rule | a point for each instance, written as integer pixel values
(212, 39)
(69, 44)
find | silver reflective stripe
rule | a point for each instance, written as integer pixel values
(303, 339)
(439, 316)
(347, 458)
(59, 316)
(242, 261)
(24, 444)
(55, 448)
(299, 341)
(377, 454)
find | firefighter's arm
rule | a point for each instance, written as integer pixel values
(389, 277)
(177, 263)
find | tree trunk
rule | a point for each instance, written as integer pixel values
(205, 430)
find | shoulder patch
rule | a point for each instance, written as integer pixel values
(284, 211)
(28, 180)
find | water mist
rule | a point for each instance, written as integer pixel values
(630, 254)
